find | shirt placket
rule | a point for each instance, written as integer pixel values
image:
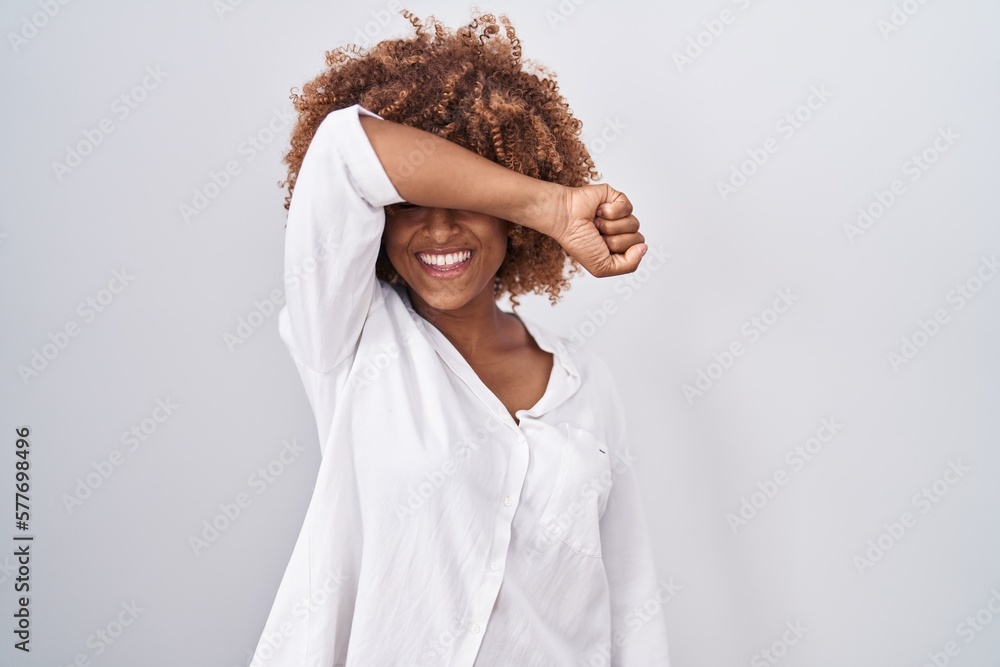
(565, 382)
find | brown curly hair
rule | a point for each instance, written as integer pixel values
(467, 86)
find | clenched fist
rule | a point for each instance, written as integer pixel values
(595, 225)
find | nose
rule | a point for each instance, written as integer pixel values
(441, 224)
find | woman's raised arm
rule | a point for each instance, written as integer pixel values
(430, 171)
(335, 222)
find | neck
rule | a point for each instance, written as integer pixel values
(478, 329)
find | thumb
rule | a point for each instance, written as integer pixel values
(629, 261)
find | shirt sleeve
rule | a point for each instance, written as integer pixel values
(638, 596)
(332, 238)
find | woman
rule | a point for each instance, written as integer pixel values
(475, 503)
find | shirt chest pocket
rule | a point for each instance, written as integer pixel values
(580, 493)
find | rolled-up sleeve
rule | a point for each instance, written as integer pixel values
(332, 238)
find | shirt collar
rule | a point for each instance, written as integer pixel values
(563, 381)
(549, 342)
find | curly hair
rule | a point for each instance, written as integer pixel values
(467, 86)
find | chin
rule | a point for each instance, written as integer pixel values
(445, 300)
(444, 294)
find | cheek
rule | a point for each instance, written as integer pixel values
(498, 246)
(499, 251)
(392, 240)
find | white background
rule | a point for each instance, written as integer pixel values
(672, 131)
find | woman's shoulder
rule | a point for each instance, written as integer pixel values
(599, 391)
(597, 378)
(595, 371)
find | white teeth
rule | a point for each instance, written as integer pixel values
(446, 260)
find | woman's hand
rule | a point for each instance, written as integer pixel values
(596, 228)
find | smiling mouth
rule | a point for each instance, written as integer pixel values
(444, 262)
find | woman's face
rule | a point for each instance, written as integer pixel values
(447, 257)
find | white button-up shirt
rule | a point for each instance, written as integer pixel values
(440, 531)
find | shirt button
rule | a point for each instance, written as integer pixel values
(521, 439)
(494, 566)
(508, 501)
(475, 628)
